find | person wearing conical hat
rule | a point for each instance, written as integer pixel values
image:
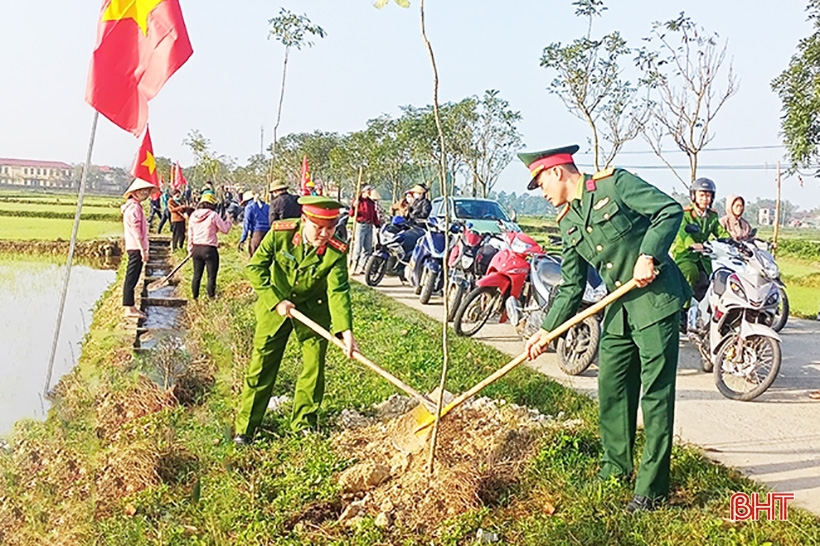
(623, 227)
(283, 204)
(135, 236)
(300, 264)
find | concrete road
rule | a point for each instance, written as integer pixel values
(774, 439)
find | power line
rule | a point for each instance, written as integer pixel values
(727, 149)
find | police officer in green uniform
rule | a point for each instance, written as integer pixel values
(688, 246)
(623, 227)
(299, 264)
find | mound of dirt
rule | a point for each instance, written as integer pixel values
(482, 446)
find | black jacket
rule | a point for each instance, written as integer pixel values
(285, 206)
(419, 210)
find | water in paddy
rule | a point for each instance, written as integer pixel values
(29, 300)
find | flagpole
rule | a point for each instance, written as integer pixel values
(71, 247)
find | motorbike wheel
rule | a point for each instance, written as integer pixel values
(454, 298)
(476, 309)
(578, 349)
(374, 270)
(749, 376)
(428, 284)
(782, 316)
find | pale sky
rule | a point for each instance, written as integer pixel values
(373, 61)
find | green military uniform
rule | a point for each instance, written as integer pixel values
(285, 267)
(690, 262)
(615, 218)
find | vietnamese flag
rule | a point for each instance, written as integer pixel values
(140, 44)
(178, 178)
(145, 166)
(305, 182)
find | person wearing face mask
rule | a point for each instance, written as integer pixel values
(733, 221)
(135, 229)
(420, 206)
(299, 264)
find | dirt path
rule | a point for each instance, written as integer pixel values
(774, 440)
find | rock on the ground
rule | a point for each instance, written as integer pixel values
(364, 476)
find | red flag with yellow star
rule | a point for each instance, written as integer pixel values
(145, 166)
(140, 44)
(178, 180)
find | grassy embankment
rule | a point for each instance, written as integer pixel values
(118, 462)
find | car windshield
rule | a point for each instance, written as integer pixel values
(469, 209)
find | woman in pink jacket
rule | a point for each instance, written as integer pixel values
(203, 225)
(135, 229)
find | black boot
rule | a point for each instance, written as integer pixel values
(639, 503)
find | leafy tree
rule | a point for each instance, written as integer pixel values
(207, 165)
(290, 30)
(589, 83)
(798, 87)
(683, 72)
(494, 140)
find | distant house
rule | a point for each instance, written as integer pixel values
(28, 173)
(765, 217)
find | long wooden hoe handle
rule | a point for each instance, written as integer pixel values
(163, 281)
(395, 381)
(501, 372)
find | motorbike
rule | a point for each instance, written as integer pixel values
(426, 261)
(468, 261)
(730, 325)
(395, 244)
(576, 349)
(506, 277)
(768, 267)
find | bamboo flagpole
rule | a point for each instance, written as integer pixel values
(71, 247)
(355, 215)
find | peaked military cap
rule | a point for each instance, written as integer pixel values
(538, 161)
(320, 209)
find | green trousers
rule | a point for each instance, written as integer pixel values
(639, 360)
(268, 349)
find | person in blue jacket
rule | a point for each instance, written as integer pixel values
(256, 224)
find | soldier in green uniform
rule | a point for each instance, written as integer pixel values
(687, 249)
(299, 264)
(623, 227)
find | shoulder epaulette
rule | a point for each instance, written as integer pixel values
(563, 212)
(282, 225)
(604, 174)
(338, 245)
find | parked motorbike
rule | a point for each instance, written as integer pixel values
(468, 261)
(395, 244)
(506, 277)
(769, 268)
(426, 261)
(730, 325)
(576, 349)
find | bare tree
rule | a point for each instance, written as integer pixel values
(290, 30)
(682, 72)
(589, 83)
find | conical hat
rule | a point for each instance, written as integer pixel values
(137, 185)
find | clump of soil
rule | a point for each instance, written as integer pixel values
(116, 408)
(481, 445)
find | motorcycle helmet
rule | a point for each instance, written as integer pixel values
(702, 184)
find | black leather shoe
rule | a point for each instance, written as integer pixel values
(241, 440)
(639, 503)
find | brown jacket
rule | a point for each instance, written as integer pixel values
(177, 210)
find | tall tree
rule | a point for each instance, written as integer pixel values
(290, 30)
(589, 83)
(682, 63)
(494, 140)
(798, 87)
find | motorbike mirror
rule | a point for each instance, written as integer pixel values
(513, 215)
(692, 228)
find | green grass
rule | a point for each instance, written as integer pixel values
(212, 493)
(69, 198)
(69, 208)
(49, 229)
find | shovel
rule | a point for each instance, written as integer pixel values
(156, 285)
(418, 421)
(424, 401)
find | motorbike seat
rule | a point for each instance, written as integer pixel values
(719, 280)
